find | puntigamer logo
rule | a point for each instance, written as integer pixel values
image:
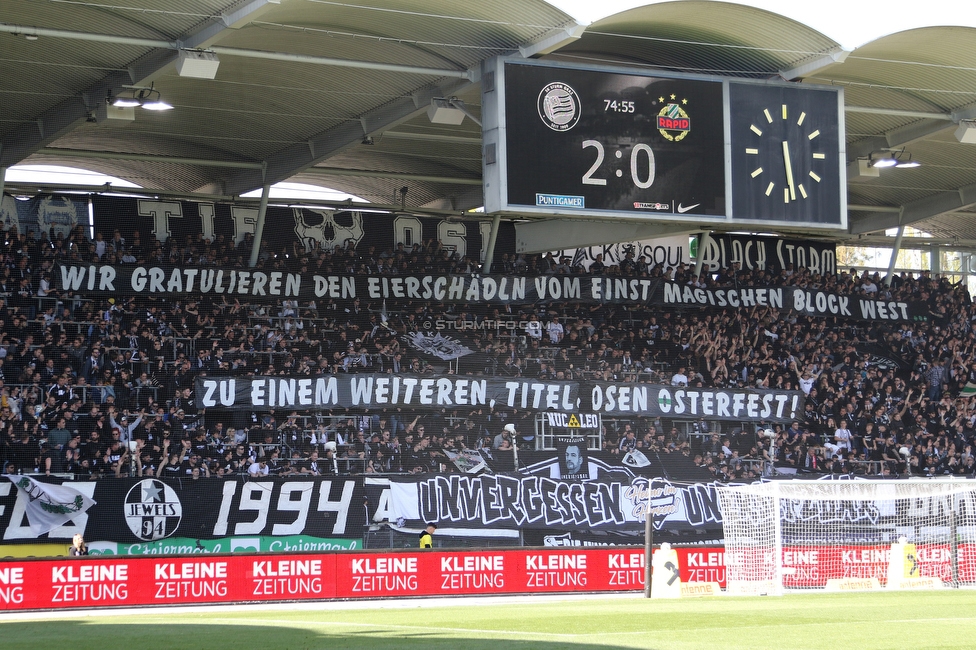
(559, 201)
(152, 510)
(559, 106)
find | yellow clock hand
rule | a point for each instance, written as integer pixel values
(789, 170)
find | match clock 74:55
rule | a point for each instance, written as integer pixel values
(785, 153)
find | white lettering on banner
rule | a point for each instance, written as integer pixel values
(11, 579)
(666, 252)
(626, 570)
(539, 395)
(555, 561)
(562, 570)
(933, 554)
(286, 568)
(385, 565)
(256, 499)
(818, 302)
(188, 570)
(368, 389)
(287, 586)
(245, 221)
(751, 253)
(676, 294)
(825, 512)
(160, 212)
(626, 561)
(706, 559)
(11, 575)
(546, 579)
(321, 391)
(454, 563)
(467, 581)
(190, 580)
(75, 278)
(384, 574)
(384, 583)
(865, 556)
(822, 261)
(706, 575)
(472, 572)
(879, 309)
(719, 403)
(11, 595)
(90, 573)
(497, 500)
(627, 579)
(89, 593)
(611, 289)
(155, 280)
(800, 557)
(573, 420)
(89, 583)
(180, 589)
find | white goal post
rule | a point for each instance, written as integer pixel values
(848, 534)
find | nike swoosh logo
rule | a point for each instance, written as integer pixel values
(682, 209)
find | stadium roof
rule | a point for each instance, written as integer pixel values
(335, 93)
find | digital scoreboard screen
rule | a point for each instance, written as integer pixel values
(564, 141)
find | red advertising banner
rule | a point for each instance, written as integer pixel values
(812, 566)
(98, 582)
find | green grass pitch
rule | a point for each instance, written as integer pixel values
(916, 620)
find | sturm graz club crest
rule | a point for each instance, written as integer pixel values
(152, 510)
(559, 106)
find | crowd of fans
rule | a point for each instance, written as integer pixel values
(104, 387)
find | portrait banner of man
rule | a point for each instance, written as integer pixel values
(573, 460)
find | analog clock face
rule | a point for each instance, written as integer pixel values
(785, 154)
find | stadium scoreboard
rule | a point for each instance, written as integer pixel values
(566, 140)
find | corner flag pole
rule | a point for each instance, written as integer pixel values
(648, 546)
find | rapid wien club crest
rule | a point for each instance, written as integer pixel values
(152, 510)
(672, 120)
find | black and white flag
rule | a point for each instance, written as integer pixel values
(438, 345)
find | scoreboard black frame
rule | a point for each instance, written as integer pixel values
(593, 141)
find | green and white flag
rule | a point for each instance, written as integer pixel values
(969, 390)
(48, 505)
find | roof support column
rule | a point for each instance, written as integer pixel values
(935, 260)
(894, 255)
(706, 239)
(492, 238)
(259, 226)
(3, 175)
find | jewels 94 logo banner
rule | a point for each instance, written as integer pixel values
(139, 511)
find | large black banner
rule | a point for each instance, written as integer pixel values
(381, 391)
(320, 228)
(768, 254)
(656, 400)
(815, 303)
(129, 511)
(371, 391)
(170, 281)
(615, 503)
